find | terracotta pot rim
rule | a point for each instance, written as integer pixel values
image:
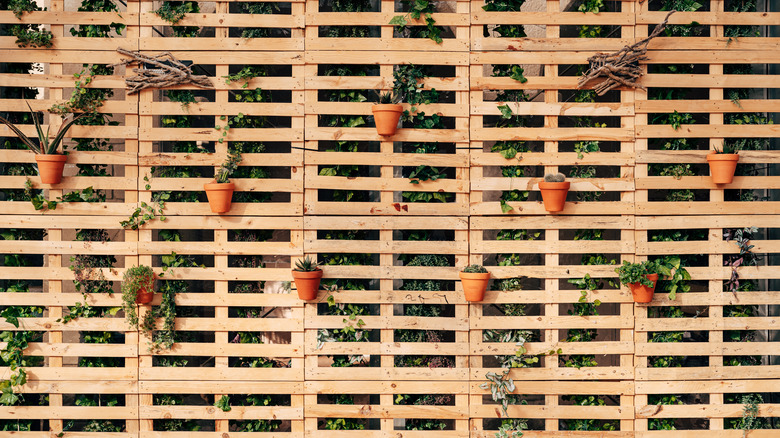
(51, 157)
(474, 275)
(307, 274)
(219, 186)
(722, 157)
(544, 185)
(387, 107)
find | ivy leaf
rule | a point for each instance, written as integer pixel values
(398, 20)
(505, 207)
(223, 404)
(506, 112)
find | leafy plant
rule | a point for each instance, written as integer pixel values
(504, 30)
(750, 419)
(135, 279)
(746, 257)
(500, 385)
(227, 168)
(669, 267)
(97, 30)
(307, 264)
(223, 403)
(417, 9)
(389, 97)
(475, 269)
(44, 145)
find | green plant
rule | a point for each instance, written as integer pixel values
(746, 257)
(135, 279)
(389, 97)
(504, 30)
(729, 148)
(750, 419)
(669, 267)
(554, 177)
(223, 403)
(307, 264)
(97, 30)
(44, 145)
(475, 269)
(417, 9)
(500, 385)
(227, 168)
(637, 272)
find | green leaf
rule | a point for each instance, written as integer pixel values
(398, 20)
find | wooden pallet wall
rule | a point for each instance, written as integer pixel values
(316, 180)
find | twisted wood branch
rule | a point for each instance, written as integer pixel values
(169, 71)
(621, 67)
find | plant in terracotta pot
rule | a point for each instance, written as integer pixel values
(50, 163)
(220, 191)
(307, 275)
(387, 111)
(723, 163)
(640, 278)
(554, 189)
(475, 279)
(137, 288)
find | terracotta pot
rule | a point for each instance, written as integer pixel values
(554, 194)
(722, 167)
(143, 297)
(474, 284)
(386, 117)
(307, 283)
(642, 293)
(50, 167)
(220, 196)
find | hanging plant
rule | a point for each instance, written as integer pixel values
(137, 288)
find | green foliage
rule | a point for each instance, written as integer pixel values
(662, 423)
(504, 30)
(307, 264)
(135, 279)
(592, 31)
(174, 11)
(417, 9)
(223, 404)
(97, 30)
(500, 385)
(227, 168)
(475, 269)
(263, 8)
(26, 37)
(12, 355)
(45, 145)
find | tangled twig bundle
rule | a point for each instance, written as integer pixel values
(621, 67)
(169, 72)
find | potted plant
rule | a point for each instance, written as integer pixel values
(723, 163)
(220, 191)
(307, 275)
(554, 189)
(50, 163)
(475, 280)
(387, 111)
(640, 278)
(137, 288)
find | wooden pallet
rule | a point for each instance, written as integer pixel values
(549, 145)
(451, 15)
(384, 297)
(220, 25)
(555, 27)
(388, 407)
(707, 352)
(550, 408)
(383, 159)
(283, 159)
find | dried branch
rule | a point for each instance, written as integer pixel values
(621, 67)
(169, 71)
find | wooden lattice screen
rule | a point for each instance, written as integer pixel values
(317, 180)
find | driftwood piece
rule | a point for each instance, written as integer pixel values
(621, 67)
(169, 71)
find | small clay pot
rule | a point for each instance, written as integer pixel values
(642, 293)
(220, 196)
(386, 117)
(474, 284)
(143, 296)
(554, 194)
(722, 167)
(307, 283)
(50, 167)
